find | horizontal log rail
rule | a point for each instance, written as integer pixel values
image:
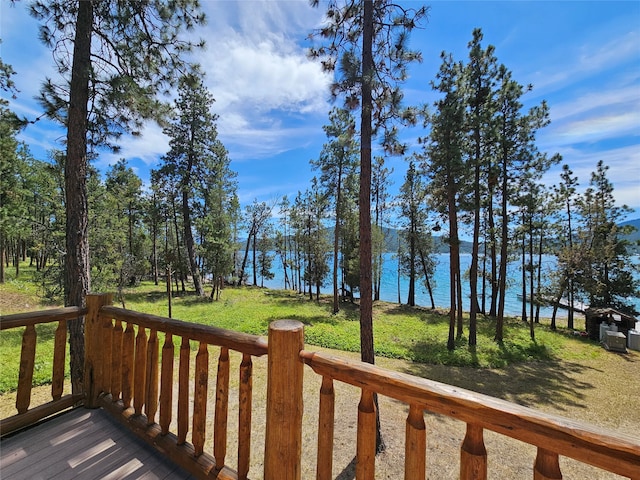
(552, 435)
(131, 360)
(27, 416)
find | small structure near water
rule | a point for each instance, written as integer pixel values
(611, 327)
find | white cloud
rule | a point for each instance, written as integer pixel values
(267, 91)
(148, 147)
(265, 77)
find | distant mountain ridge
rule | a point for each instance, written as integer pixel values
(442, 246)
(633, 237)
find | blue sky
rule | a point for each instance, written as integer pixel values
(582, 57)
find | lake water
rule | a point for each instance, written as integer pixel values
(440, 284)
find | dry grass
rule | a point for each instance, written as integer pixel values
(603, 391)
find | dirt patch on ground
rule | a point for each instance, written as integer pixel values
(11, 302)
(602, 391)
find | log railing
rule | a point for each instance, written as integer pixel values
(26, 416)
(130, 359)
(135, 361)
(552, 435)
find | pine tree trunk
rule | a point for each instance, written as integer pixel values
(473, 273)
(504, 239)
(188, 240)
(411, 297)
(76, 265)
(493, 308)
(336, 242)
(454, 261)
(426, 278)
(366, 303)
(366, 287)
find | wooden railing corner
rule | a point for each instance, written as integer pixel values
(95, 350)
(283, 441)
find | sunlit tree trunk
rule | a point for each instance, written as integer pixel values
(76, 266)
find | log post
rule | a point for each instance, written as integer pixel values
(166, 383)
(116, 361)
(183, 391)
(221, 415)
(547, 466)
(27, 363)
(128, 360)
(140, 371)
(283, 442)
(93, 355)
(151, 396)
(244, 416)
(326, 419)
(366, 438)
(473, 455)
(106, 341)
(59, 357)
(415, 445)
(201, 383)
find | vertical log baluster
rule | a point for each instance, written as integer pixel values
(128, 367)
(200, 399)
(166, 383)
(183, 391)
(116, 361)
(547, 466)
(285, 373)
(59, 355)
(473, 455)
(106, 330)
(326, 420)
(140, 371)
(244, 416)
(222, 409)
(27, 362)
(366, 442)
(415, 446)
(151, 405)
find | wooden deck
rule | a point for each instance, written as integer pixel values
(82, 444)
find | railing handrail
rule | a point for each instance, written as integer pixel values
(24, 319)
(240, 342)
(614, 452)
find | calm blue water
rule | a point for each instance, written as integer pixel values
(439, 284)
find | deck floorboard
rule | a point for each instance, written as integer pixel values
(82, 444)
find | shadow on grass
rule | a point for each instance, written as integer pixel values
(348, 311)
(529, 384)
(427, 315)
(146, 296)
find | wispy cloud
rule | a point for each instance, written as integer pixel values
(597, 127)
(623, 173)
(589, 59)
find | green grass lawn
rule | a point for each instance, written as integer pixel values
(415, 334)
